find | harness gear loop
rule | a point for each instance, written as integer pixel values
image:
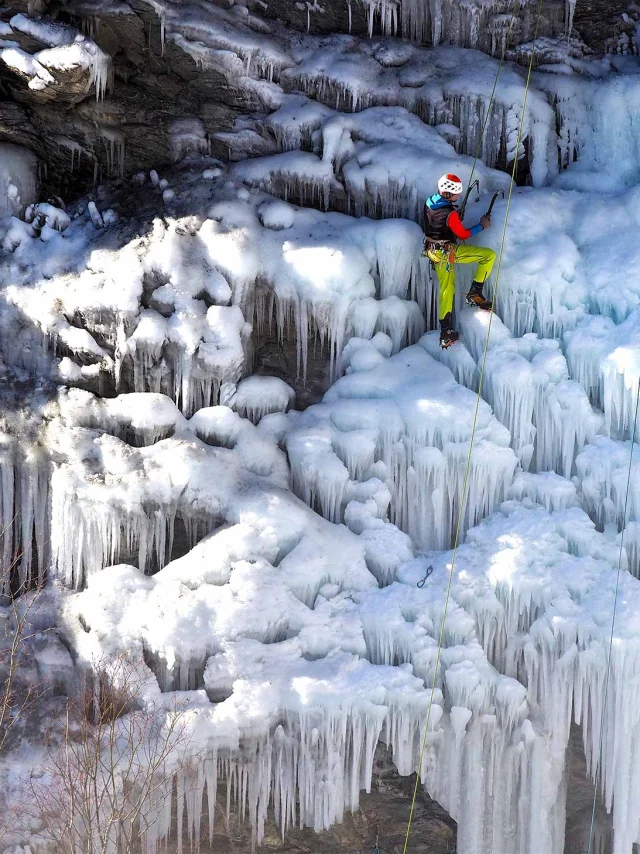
(438, 251)
(465, 482)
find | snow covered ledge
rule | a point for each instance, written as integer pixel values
(66, 70)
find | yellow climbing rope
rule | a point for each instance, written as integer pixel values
(613, 622)
(473, 430)
(493, 91)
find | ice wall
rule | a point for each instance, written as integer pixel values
(299, 641)
(443, 87)
(172, 311)
(24, 534)
(554, 634)
(309, 681)
(403, 421)
(468, 24)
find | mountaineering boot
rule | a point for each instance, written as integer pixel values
(448, 336)
(475, 298)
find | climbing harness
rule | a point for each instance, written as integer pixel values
(438, 251)
(423, 581)
(465, 482)
(613, 622)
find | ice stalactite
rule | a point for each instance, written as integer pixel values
(406, 439)
(546, 488)
(258, 396)
(549, 416)
(387, 13)
(430, 84)
(73, 147)
(214, 36)
(595, 146)
(327, 689)
(604, 357)
(24, 505)
(603, 471)
(114, 141)
(188, 136)
(101, 70)
(467, 24)
(570, 13)
(298, 176)
(85, 538)
(111, 501)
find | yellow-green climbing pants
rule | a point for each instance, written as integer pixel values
(446, 271)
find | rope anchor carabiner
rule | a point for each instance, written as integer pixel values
(429, 571)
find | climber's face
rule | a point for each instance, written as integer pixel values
(451, 197)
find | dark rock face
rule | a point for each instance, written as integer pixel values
(82, 138)
(600, 22)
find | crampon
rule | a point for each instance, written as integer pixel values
(448, 337)
(478, 301)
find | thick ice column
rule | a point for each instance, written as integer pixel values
(605, 357)
(603, 470)
(24, 528)
(406, 415)
(526, 382)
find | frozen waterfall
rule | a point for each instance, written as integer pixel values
(233, 453)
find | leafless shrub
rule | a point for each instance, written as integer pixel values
(106, 784)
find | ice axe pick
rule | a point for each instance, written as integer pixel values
(494, 200)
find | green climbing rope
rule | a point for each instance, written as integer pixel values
(613, 622)
(473, 430)
(493, 91)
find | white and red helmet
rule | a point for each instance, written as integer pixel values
(450, 184)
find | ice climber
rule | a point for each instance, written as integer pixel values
(443, 229)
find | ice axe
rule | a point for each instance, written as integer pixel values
(494, 200)
(463, 206)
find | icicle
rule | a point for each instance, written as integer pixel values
(570, 12)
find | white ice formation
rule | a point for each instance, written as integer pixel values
(67, 51)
